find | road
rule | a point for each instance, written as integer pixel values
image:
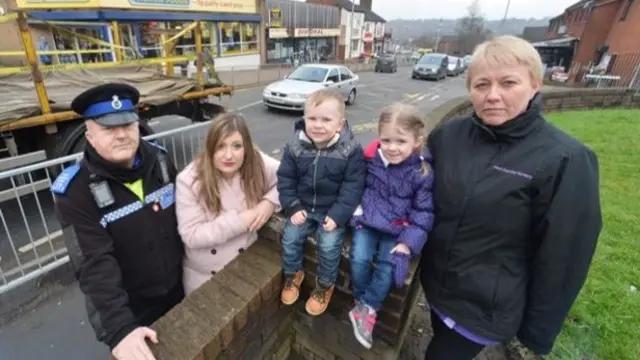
(58, 328)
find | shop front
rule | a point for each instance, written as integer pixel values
(230, 29)
(303, 45)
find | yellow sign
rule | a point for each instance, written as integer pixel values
(306, 32)
(99, 65)
(275, 18)
(215, 6)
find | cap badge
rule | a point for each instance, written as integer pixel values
(116, 104)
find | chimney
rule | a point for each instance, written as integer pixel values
(366, 4)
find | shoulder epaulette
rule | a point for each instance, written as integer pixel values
(63, 180)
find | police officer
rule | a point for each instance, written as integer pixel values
(117, 211)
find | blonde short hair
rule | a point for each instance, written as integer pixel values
(320, 96)
(508, 50)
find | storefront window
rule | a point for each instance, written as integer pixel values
(238, 38)
(79, 39)
(302, 49)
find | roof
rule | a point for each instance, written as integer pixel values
(323, 66)
(560, 42)
(535, 33)
(369, 15)
(580, 4)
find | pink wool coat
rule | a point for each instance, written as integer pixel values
(211, 242)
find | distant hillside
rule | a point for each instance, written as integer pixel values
(405, 29)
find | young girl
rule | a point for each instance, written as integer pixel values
(395, 215)
(222, 198)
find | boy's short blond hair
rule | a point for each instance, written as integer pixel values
(320, 96)
(508, 50)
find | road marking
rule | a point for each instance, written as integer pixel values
(249, 105)
(434, 97)
(419, 98)
(43, 240)
(369, 93)
(411, 96)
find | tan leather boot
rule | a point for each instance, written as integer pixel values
(291, 291)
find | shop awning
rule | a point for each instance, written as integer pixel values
(562, 42)
(121, 15)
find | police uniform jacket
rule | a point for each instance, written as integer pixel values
(126, 253)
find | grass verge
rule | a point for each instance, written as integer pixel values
(604, 323)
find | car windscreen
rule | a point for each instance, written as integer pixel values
(309, 74)
(387, 57)
(453, 60)
(427, 59)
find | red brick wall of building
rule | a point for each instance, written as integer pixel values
(623, 36)
(596, 30)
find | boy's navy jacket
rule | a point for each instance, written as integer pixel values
(328, 181)
(398, 200)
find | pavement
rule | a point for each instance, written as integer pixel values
(58, 329)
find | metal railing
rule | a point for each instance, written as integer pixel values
(31, 241)
(623, 70)
(247, 76)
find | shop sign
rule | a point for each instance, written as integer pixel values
(306, 32)
(215, 6)
(278, 33)
(275, 18)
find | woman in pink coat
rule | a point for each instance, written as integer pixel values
(222, 198)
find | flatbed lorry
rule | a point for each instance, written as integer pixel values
(35, 100)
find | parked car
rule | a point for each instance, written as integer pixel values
(466, 60)
(431, 66)
(292, 92)
(415, 57)
(455, 67)
(386, 63)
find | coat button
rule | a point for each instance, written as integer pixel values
(214, 251)
(241, 250)
(213, 272)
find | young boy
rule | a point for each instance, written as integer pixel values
(320, 182)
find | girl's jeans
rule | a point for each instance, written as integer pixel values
(329, 248)
(371, 287)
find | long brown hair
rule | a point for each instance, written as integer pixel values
(409, 119)
(251, 171)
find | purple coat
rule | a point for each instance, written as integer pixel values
(398, 200)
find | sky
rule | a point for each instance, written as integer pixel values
(453, 9)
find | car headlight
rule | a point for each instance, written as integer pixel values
(298, 96)
(266, 92)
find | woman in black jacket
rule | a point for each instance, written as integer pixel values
(517, 213)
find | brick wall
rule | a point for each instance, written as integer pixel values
(554, 100)
(238, 314)
(596, 30)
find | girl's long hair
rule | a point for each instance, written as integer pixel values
(209, 177)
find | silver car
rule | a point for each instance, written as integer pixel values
(292, 92)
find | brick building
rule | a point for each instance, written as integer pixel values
(595, 33)
(363, 29)
(448, 44)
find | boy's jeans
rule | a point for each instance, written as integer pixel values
(371, 286)
(329, 248)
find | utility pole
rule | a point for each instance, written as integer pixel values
(506, 11)
(438, 36)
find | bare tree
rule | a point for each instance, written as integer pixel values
(425, 41)
(471, 29)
